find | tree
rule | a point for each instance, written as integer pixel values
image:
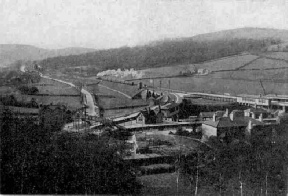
(35, 160)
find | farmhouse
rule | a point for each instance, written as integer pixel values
(224, 128)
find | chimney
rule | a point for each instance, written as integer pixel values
(250, 126)
(214, 117)
(140, 85)
(232, 115)
(226, 113)
(261, 117)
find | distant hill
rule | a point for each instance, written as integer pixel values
(241, 33)
(9, 53)
(174, 51)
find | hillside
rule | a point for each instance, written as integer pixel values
(246, 33)
(10, 53)
(172, 52)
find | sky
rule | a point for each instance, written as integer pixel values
(105, 24)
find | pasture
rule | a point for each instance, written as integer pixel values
(227, 63)
(72, 103)
(51, 87)
(276, 55)
(264, 63)
(210, 84)
(114, 99)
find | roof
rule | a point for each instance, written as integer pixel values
(224, 122)
(207, 114)
(269, 96)
(128, 117)
(256, 110)
(137, 93)
(245, 120)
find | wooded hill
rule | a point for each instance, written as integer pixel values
(175, 51)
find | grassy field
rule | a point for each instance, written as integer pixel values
(233, 62)
(264, 63)
(47, 86)
(277, 55)
(210, 84)
(227, 63)
(124, 88)
(72, 103)
(119, 100)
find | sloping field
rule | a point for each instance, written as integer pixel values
(72, 103)
(276, 55)
(264, 63)
(166, 71)
(120, 101)
(208, 84)
(47, 86)
(276, 75)
(228, 63)
(124, 88)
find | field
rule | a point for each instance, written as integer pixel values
(264, 63)
(72, 103)
(234, 82)
(119, 100)
(124, 88)
(227, 63)
(277, 55)
(6, 90)
(47, 86)
(209, 84)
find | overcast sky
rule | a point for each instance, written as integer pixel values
(115, 23)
